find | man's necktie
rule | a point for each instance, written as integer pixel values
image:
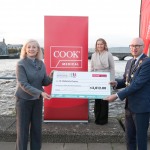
(131, 70)
(132, 66)
(130, 78)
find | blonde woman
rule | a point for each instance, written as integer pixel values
(102, 60)
(31, 77)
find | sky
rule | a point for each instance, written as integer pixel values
(117, 21)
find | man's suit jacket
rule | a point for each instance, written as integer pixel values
(31, 79)
(138, 92)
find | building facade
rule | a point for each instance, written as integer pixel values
(3, 48)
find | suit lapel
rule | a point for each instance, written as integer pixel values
(133, 70)
(138, 63)
(130, 68)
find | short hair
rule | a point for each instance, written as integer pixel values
(23, 53)
(104, 42)
(139, 40)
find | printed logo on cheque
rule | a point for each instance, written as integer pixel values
(65, 57)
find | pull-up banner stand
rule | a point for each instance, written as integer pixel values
(65, 49)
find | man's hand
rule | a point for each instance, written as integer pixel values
(113, 83)
(111, 98)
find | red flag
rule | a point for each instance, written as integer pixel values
(145, 24)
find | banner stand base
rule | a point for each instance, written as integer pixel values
(79, 121)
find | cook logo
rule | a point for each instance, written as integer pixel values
(65, 57)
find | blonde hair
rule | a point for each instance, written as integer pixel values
(104, 42)
(23, 53)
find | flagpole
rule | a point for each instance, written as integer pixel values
(140, 19)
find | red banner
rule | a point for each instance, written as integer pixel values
(145, 24)
(65, 48)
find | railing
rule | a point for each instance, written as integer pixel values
(121, 56)
(8, 78)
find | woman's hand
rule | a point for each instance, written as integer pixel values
(51, 74)
(45, 95)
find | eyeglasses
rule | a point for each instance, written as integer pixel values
(136, 46)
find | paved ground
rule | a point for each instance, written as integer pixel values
(72, 146)
(61, 132)
(70, 136)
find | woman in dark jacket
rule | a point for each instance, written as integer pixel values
(31, 77)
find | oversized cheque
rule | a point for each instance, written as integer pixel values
(74, 84)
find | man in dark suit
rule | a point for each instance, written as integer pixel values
(136, 92)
